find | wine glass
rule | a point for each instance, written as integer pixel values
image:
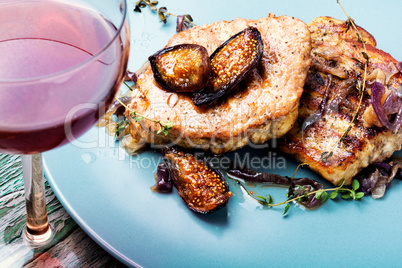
(62, 62)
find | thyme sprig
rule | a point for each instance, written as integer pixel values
(163, 126)
(131, 88)
(321, 194)
(120, 128)
(122, 125)
(360, 86)
(187, 20)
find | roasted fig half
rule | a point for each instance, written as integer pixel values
(231, 63)
(202, 187)
(181, 68)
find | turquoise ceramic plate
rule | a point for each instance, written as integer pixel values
(108, 192)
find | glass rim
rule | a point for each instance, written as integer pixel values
(77, 66)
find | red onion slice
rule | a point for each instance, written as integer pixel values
(131, 76)
(399, 66)
(182, 24)
(392, 103)
(163, 183)
(377, 177)
(377, 91)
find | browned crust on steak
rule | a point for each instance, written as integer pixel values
(362, 146)
(263, 106)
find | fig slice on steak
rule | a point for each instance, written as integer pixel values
(202, 187)
(231, 63)
(181, 68)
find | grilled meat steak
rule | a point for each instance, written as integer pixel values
(264, 105)
(331, 99)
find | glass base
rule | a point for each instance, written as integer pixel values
(37, 241)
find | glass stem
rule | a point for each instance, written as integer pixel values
(37, 231)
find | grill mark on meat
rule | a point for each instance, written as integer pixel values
(362, 145)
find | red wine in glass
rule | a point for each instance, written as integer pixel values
(61, 63)
(52, 84)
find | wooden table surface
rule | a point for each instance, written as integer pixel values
(70, 247)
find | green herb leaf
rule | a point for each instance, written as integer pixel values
(365, 56)
(349, 23)
(162, 17)
(120, 127)
(141, 4)
(324, 197)
(137, 9)
(188, 16)
(355, 185)
(346, 196)
(269, 199)
(261, 199)
(356, 60)
(163, 126)
(318, 195)
(162, 12)
(359, 195)
(303, 198)
(169, 124)
(359, 39)
(286, 209)
(326, 155)
(333, 195)
(138, 118)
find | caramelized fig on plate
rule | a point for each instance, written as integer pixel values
(202, 187)
(181, 68)
(231, 63)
